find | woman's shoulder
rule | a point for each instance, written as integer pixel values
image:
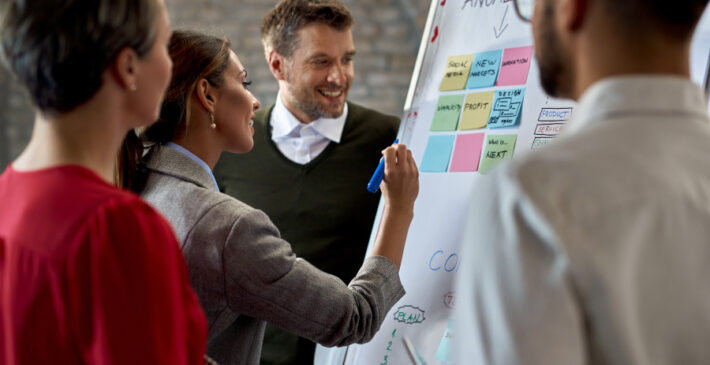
(125, 207)
(163, 190)
(123, 224)
(234, 210)
(105, 204)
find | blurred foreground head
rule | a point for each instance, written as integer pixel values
(580, 41)
(59, 49)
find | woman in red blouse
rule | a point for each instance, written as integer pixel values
(89, 274)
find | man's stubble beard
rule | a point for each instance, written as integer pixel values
(306, 101)
(552, 60)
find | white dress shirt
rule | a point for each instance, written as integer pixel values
(299, 142)
(596, 249)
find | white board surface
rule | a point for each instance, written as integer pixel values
(430, 262)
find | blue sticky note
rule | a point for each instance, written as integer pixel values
(443, 354)
(437, 153)
(484, 70)
(506, 108)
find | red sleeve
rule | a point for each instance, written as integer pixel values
(130, 299)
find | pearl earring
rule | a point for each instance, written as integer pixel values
(213, 125)
(132, 87)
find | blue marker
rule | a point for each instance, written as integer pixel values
(379, 174)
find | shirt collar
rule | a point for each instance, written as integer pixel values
(284, 123)
(193, 157)
(633, 94)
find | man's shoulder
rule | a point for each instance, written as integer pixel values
(371, 125)
(263, 114)
(574, 172)
(360, 113)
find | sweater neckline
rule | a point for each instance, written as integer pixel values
(272, 145)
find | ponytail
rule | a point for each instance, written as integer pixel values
(131, 173)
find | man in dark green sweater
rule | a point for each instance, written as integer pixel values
(313, 153)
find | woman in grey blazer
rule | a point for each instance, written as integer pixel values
(242, 271)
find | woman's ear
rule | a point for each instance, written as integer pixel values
(206, 95)
(125, 68)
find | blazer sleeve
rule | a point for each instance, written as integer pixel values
(265, 280)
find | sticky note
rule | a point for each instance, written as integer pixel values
(467, 152)
(498, 148)
(514, 66)
(484, 70)
(456, 72)
(476, 110)
(541, 142)
(443, 353)
(506, 108)
(446, 116)
(437, 154)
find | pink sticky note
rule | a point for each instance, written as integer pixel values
(514, 66)
(467, 152)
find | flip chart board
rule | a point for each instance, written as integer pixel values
(475, 101)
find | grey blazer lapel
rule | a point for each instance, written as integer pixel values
(167, 161)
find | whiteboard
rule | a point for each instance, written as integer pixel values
(431, 257)
(700, 52)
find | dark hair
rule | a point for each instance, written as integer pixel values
(280, 26)
(58, 49)
(676, 19)
(195, 56)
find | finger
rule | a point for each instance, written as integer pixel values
(410, 161)
(390, 156)
(402, 153)
(405, 156)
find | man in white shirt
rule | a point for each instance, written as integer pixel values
(314, 151)
(596, 249)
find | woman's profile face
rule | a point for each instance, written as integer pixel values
(155, 73)
(235, 107)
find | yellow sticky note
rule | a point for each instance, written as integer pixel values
(476, 110)
(456, 72)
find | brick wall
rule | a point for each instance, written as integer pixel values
(386, 35)
(4, 142)
(16, 118)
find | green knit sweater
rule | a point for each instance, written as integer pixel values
(322, 208)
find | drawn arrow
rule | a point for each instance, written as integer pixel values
(502, 27)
